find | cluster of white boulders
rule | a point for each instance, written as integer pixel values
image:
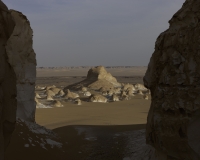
(99, 86)
(55, 95)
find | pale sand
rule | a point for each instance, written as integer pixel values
(129, 112)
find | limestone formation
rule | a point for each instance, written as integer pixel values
(40, 105)
(145, 97)
(17, 73)
(105, 89)
(70, 95)
(110, 92)
(37, 95)
(78, 101)
(97, 77)
(98, 98)
(130, 93)
(115, 98)
(39, 88)
(50, 94)
(128, 87)
(139, 86)
(117, 90)
(140, 92)
(84, 89)
(60, 93)
(87, 94)
(56, 103)
(49, 87)
(173, 76)
(55, 90)
(124, 96)
(104, 93)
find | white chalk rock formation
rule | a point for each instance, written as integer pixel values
(55, 90)
(56, 103)
(37, 95)
(139, 86)
(129, 93)
(128, 87)
(70, 95)
(60, 93)
(115, 98)
(50, 94)
(104, 93)
(124, 96)
(17, 73)
(140, 92)
(98, 98)
(84, 89)
(49, 87)
(40, 105)
(78, 101)
(87, 94)
(145, 97)
(97, 77)
(173, 76)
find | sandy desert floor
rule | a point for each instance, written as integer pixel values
(92, 131)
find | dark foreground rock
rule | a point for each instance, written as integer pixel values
(173, 76)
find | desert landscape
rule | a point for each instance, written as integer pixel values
(92, 128)
(99, 112)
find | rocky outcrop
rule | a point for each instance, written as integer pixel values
(173, 76)
(21, 57)
(97, 78)
(17, 73)
(8, 92)
(97, 98)
(70, 95)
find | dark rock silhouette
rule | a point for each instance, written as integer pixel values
(17, 73)
(173, 76)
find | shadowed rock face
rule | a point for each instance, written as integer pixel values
(21, 57)
(8, 92)
(173, 76)
(17, 73)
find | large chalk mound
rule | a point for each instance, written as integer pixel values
(97, 78)
(173, 76)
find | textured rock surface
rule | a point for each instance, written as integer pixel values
(8, 92)
(17, 73)
(97, 98)
(97, 78)
(21, 57)
(173, 76)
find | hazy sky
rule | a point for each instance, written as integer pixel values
(95, 32)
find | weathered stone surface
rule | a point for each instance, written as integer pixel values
(70, 95)
(97, 78)
(173, 76)
(8, 92)
(21, 57)
(98, 98)
(17, 73)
